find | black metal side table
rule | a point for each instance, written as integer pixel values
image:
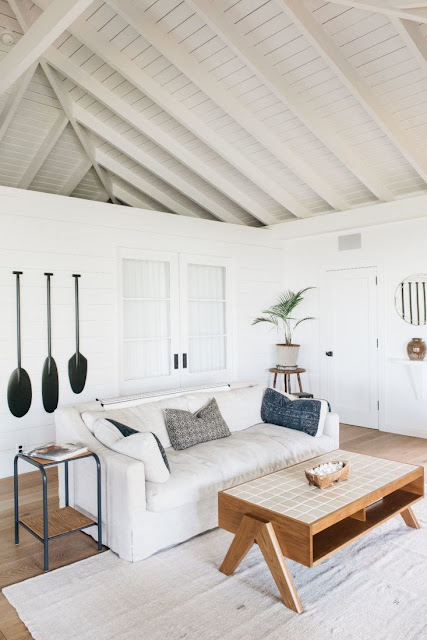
(59, 522)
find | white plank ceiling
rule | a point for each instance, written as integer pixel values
(247, 111)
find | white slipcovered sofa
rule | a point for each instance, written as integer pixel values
(139, 517)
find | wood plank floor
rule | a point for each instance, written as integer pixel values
(18, 563)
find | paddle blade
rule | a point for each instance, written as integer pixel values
(77, 371)
(19, 393)
(50, 385)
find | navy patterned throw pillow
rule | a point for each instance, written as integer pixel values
(301, 415)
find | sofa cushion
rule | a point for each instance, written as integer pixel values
(145, 447)
(143, 418)
(240, 408)
(307, 415)
(207, 468)
(187, 429)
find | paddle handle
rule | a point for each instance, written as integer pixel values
(18, 318)
(76, 277)
(49, 317)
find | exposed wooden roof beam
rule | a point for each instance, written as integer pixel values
(155, 133)
(14, 99)
(284, 90)
(414, 40)
(138, 181)
(63, 97)
(76, 177)
(143, 158)
(318, 38)
(132, 197)
(38, 37)
(143, 81)
(44, 150)
(218, 93)
(417, 14)
(66, 104)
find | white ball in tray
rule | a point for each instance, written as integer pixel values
(327, 468)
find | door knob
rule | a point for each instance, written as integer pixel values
(329, 353)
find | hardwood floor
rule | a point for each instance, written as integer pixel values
(24, 561)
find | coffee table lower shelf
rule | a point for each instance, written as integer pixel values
(339, 535)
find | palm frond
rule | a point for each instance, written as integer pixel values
(280, 314)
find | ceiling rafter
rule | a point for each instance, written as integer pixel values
(416, 14)
(284, 90)
(223, 98)
(154, 132)
(142, 81)
(63, 98)
(355, 83)
(38, 37)
(143, 158)
(44, 150)
(142, 184)
(123, 193)
(14, 99)
(414, 40)
(76, 177)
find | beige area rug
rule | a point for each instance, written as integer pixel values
(374, 589)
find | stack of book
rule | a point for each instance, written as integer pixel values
(55, 452)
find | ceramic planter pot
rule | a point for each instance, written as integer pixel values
(287, 355)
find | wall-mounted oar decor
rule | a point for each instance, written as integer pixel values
(50, 385)
(19, 393)
(77, 364)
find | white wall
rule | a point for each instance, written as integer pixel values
(42, 232)
(398, 250)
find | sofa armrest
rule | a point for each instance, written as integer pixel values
(122, 489)
(332, 428)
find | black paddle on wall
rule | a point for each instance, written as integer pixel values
(19, 393)
(77, 364)
(50, 384)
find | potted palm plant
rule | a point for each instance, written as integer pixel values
(280, 315)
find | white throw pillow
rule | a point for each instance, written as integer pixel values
(141, 446)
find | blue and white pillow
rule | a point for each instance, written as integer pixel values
(302, 414)
(143, 446)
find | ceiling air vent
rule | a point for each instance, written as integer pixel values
(350, 242)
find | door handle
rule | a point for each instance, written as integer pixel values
(175, 361)
(329, 354)
(184, 360)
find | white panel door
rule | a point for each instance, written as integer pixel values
(205, 319)
(149, 319)
(350, 351)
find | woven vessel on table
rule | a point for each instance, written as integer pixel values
(326, 481)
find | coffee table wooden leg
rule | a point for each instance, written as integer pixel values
(253, 530)
(410, 518)
(269, 545)
(242, 542)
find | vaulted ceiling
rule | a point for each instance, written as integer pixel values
(247, 111)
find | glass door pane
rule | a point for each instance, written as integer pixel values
(149, 331)
(205, 317)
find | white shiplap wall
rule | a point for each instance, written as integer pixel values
(42, 232)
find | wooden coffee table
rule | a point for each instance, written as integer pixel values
(287, 517)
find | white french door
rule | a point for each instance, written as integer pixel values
(205, 318)
(350, 351)
(175, 320)
(149, 285)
